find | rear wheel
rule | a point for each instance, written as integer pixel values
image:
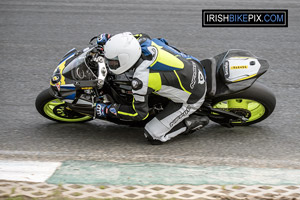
(255, 103)
(56, 110)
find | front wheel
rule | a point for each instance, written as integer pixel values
(255, 103)
(56, 110)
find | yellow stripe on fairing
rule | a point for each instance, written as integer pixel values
(245, 78)
(61, 68)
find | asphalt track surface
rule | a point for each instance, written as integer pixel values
(36, 34)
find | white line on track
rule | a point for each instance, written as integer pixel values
(32, 171)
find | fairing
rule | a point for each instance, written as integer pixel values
(232, 71)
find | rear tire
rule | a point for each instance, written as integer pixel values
(261, 96)
(54, 109)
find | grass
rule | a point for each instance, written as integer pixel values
(13, 190)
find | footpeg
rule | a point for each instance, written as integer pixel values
(195, 122)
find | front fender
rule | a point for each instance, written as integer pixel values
(65, 92)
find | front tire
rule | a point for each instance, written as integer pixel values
(55, 109)
(256, 103)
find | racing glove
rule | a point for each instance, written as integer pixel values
(103, 38)
(103, 110)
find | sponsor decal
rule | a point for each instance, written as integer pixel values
(99, 110)
(55, 78)
(57, 86)
(113, 111)
(192, 85)
(183, 114)
(239, 67)
(200, 77)
(226, 69)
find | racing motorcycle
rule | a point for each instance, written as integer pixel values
(82, 79)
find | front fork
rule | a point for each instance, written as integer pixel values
(87, 109)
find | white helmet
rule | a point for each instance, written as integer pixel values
(122, 52)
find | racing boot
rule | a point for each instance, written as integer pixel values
(151, 140)
(194, 123)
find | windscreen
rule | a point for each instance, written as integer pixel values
(78, 69)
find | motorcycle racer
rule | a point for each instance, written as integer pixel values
(161, 69)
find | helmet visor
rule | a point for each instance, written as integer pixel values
(113, 63)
